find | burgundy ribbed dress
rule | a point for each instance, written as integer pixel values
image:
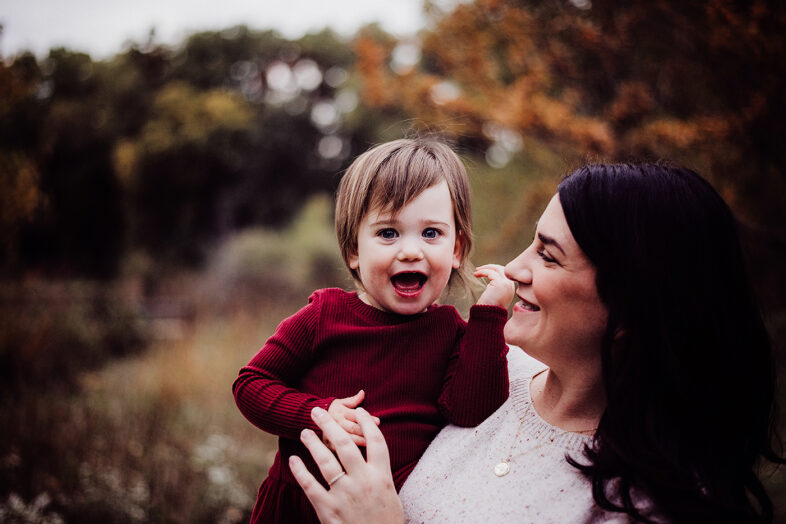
(419, 372)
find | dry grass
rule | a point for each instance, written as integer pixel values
(150, 438)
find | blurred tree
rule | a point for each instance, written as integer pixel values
(245, 128)
(222, 58)
(21, 196)
(164, 150)
(81, 228)
(186, 153)
(698, 82)
(131, 81)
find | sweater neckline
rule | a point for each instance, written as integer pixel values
(378, 316)
(534, 425)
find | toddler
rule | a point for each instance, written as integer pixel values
(403, 225)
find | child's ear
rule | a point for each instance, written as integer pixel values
(458, 250)
(353, 261)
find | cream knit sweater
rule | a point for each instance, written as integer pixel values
(454, 481)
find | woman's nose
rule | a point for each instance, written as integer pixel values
(519, 270)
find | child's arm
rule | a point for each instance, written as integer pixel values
(261, 389)
(476, 382)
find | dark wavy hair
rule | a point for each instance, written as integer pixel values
(687, 364)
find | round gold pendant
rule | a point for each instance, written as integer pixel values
(502, 469)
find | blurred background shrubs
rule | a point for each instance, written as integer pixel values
(162, 210)
(261, 265)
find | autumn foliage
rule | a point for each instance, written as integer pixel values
(696, 82)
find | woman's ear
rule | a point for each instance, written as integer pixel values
(458, 250)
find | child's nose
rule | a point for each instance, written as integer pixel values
(409, 250)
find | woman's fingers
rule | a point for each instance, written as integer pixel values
(362, 491)
(348, 424)
(358, 440)
(352, 415)
(355, 433)
(326, 462)
(314, 490)
(347, 451)
(376, 447)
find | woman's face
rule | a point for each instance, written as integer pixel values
(559, 315)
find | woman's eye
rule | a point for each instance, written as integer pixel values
(387, 234)
(545, 256)
(431, 233)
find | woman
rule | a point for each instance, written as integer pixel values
(655, 398)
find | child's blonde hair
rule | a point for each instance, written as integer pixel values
(389, 176)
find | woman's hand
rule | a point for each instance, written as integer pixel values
(361, 490)
(500, 289)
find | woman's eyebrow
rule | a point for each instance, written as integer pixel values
(550, 242)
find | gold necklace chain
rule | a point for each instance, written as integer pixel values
(503, 468)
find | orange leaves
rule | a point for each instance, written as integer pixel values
(490, 58)
(21, 195)
(372, 67)
(632, 100)
(697, 82)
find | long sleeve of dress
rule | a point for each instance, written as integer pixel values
(262, 389)
(476, 381)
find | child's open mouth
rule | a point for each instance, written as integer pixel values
(409, 283)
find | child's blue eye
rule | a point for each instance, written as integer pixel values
(431, 233)
(387, 234)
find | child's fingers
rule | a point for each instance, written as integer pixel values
(484, 273)
(500, 289)
(495, 273)
(490, 271)
(480, 272)
(495, 267)
(353, 401)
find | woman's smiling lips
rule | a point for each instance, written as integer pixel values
(408, 283)
(525, 306)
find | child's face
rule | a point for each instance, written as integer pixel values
(404, 261)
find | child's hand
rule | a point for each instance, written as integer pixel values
(500, 289)
(343, 411)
